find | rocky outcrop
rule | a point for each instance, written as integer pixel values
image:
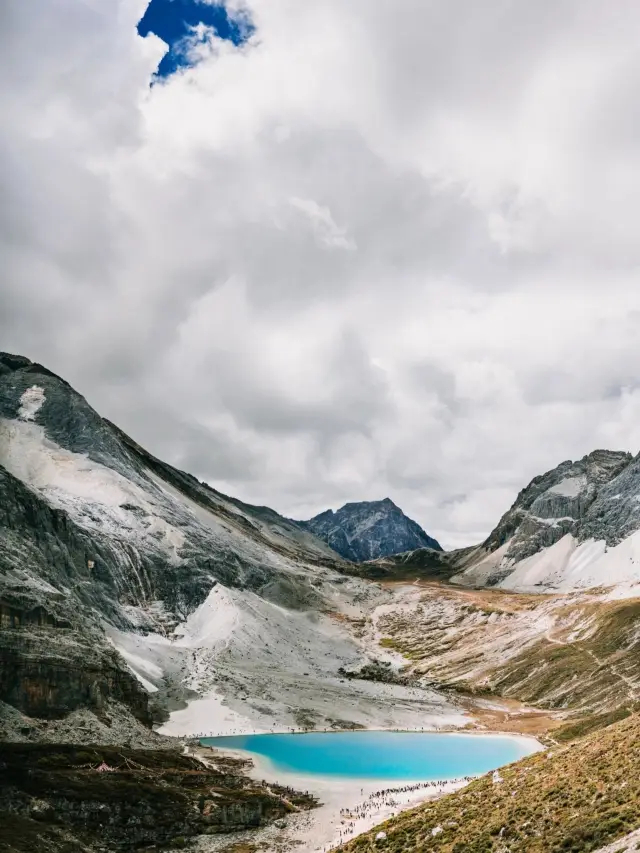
(369, 530)
(559, 502)
(53, 659)
(122, 799)
(568, 529)
(48, 672)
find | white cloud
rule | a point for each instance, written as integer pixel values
(327, 232)
(382, 249)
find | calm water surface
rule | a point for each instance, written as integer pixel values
(406, 756)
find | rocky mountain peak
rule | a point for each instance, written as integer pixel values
(367, 530)
(564, 527)
(556, 503)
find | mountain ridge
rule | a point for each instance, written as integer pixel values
(577, 526)
(93, 524)
(113, 557)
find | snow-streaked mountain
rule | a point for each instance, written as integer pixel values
(368, 530)
(577, 526)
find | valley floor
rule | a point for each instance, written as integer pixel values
(544, 665)
(245, 664)
(276, 670)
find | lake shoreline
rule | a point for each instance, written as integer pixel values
(516, 736)
(325, 828)
(350, 805)
(246, 732)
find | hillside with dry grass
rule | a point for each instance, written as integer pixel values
(576, 654)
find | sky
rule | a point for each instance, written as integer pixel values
(186, 24)
(359, 249)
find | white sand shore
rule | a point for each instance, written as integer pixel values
(349, 807)
(353, 806)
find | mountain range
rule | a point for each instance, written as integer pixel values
(138, 603)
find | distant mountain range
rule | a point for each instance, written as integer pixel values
(368, 530)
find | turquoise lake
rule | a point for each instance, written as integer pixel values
(405, 756)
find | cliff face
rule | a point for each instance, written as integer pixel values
(574, 527)
(53, 658)
(566, 499)
(123, 799)
(369, 530)
(47, 675)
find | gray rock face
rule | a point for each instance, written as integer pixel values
(52, 800)
(595, 498)
(591, 498)
(369, 530)
(94, 530)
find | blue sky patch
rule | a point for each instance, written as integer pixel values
(174, 21)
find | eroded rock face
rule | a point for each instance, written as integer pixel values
(95, 531)
(53, 659)
(369, 530)
(123, 799)
(569, 499)
(571, 528)
(47, 673)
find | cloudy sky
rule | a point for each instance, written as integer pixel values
(375, 248)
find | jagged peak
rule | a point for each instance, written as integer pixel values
(365, 530)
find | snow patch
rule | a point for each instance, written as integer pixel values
(551, 522)
(568, 565)
(30, 403)
(570, 487)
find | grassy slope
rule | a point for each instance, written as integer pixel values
(572, 800)
(573, 654)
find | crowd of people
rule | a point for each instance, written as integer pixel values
(349, 817)
(380, 799)
(274, 729)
